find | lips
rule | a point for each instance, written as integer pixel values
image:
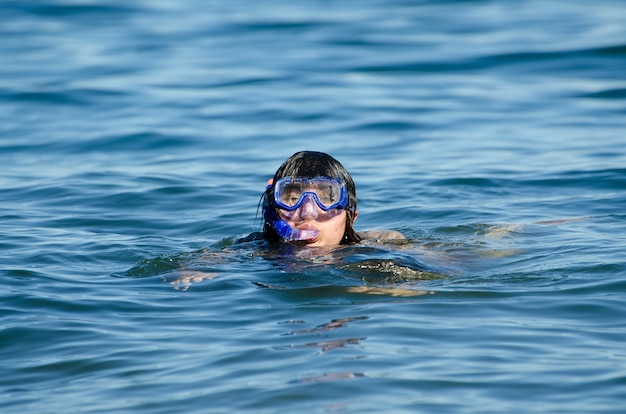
(306, 226)
(308, 233)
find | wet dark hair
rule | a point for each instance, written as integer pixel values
(311, 164)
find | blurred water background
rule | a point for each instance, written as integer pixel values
(136, 139)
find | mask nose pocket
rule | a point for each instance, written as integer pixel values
(308, 209)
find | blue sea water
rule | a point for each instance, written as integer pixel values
(136, 139)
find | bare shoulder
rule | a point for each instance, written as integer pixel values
(381, 235)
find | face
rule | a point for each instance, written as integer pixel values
(309, 216)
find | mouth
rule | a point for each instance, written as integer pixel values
(309, 233)
(306, 226)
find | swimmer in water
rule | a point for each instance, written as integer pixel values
(312, 201)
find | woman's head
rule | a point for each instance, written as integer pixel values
(323, 226)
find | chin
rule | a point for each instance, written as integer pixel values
(322, 243)
(315, 244)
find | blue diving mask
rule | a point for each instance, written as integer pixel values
(329, 193)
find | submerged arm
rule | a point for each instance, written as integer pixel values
(381, 235)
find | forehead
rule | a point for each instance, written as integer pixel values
(298, 184)
(309, 181)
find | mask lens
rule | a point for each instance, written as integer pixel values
(328, 193)
(290, 193)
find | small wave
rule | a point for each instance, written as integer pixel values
(618, 93)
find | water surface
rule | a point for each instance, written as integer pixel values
(135, 142)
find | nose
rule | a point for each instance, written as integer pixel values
(308, 209)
